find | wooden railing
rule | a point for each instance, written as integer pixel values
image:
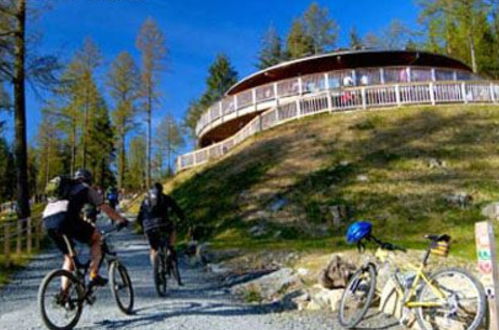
(20, 236)
(343, 99)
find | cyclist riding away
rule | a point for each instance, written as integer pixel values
(63, 221)
(154, 218)
(112, 197)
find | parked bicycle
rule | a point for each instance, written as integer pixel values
(165, 265)
(449, 298)
(61, 309)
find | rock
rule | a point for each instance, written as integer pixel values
(278, 203)
(258, 230)
(269, 286)
(491, 211)
(436, 163)
(325, 298)
(198, 253)
(217, 268)
(302, 271)
(344, 163)
(302, 301)
(336, 274)
(362, 178)
(459, 199)
(339, 213)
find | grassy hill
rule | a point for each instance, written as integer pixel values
(394, 167)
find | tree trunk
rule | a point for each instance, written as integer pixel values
(85, 128)
(73, 149)
(149, 134)
(121, 177)
(20, 146)
(471, 42)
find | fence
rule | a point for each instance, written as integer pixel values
(19, 236)
(349, 98)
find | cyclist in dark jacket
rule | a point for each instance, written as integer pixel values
(154, 218)
(73, 227)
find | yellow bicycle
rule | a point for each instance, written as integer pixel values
(450, 298)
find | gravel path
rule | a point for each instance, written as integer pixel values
(201, 304)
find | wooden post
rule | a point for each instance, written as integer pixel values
(487, 266)
(38, 233)
(19, 230)
(6, 243)
(29, 234)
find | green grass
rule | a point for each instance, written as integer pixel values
(315, 162)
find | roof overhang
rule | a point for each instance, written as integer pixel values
(345, 60)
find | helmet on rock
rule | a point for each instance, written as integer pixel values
(358, 231)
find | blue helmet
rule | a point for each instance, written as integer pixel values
(358, 231)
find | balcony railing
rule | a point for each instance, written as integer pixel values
(341, 99)
(250, 100)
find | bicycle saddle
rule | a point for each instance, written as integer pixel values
(438, 238)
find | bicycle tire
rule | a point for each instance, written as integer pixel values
(354, 284)
(173, 267)
(481, 306)
(42, 291)
(117, 268)
(159, 274)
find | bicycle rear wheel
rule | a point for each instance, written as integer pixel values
(159, 273)
(121, 287)
(357, 297)
(463, 306)
(60, 309)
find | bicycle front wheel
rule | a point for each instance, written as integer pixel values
(455, 300)
(357, 297)
(159, 274)
(60, 308)
(121, 287)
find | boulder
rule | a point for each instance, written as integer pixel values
(278, 203)
(362, 178)
(436, 163)
(336, 274)
(491, 211)
(460, 199)
(258, 230)
(324, 298)
(269, 286)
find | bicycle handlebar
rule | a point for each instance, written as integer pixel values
(388, 246)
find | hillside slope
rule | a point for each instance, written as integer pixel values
(394, 167)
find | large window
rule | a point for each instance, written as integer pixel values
(420, 74)
(444, 75)
(396, 75)
(366, 77)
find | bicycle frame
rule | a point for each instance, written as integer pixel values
(419, 276)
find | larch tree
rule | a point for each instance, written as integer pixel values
(322, 30)
(271, 52)
(298, 43)
(355, 39)
(124, 83)
(169, 139)
(19, 63)
(136, 176)
(151, 43)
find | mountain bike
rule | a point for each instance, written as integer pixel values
(165, 265)
(61, 309)
(449, 298)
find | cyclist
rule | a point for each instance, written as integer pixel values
(154, 218)
(112, 197)
(74, 227)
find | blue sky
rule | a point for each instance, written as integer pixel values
(195, 32)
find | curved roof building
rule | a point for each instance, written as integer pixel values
(339, 80)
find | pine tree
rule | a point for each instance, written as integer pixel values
(271, 52)
(124, 83)
(151, 43)
(221, 77)
(322, 30)
(299, 44)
